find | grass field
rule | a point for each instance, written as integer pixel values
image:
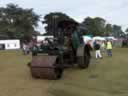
(15, 78)
(104, 77)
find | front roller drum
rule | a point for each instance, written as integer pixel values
(83, 59)
(45, 67)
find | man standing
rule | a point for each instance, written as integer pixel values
(97, 48)
(103, 47)
(109, 48)
(75, 43)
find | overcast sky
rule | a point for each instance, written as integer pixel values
(114, 11)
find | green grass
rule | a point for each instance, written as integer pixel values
(15, 77)
(104, 77)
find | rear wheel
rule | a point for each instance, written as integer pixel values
(83, 59)
(34, 53)
(58, 73)
(59, 68)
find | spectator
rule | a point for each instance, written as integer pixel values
(109, 48)
(88, 48)
(103, 46)
(24, 48)
(97, 48)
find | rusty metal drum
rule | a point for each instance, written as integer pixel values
(44, 66)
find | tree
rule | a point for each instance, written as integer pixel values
(126, 31)
(95, 26)
(117, 31)
(18, 23)
(108, 30)
(89, 24)
(100, 25)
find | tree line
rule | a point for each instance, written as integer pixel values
(17, 23)
(92, 26)
(20, 23)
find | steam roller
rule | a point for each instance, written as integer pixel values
(63, 51)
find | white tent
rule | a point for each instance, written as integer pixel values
(99, 38)
(9, 44)
(41, 38)
(111, 38)
(86, 38)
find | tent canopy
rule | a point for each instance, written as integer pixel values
(86, 38)
(98, 38)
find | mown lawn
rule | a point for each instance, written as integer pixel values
(15, 78)
(104, 77)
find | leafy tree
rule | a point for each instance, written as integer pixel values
(95, 26)
(89, 24)
(126, 31)
(18, 23)
(108, 30)
(117, 31)
(100, 25)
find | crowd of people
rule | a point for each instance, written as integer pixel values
(28, 47)
(102, 47)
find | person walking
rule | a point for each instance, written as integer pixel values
(109, 48)
(88, 48)
(24, 48)
(97, 48)
(103, 47)
(75, 43)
